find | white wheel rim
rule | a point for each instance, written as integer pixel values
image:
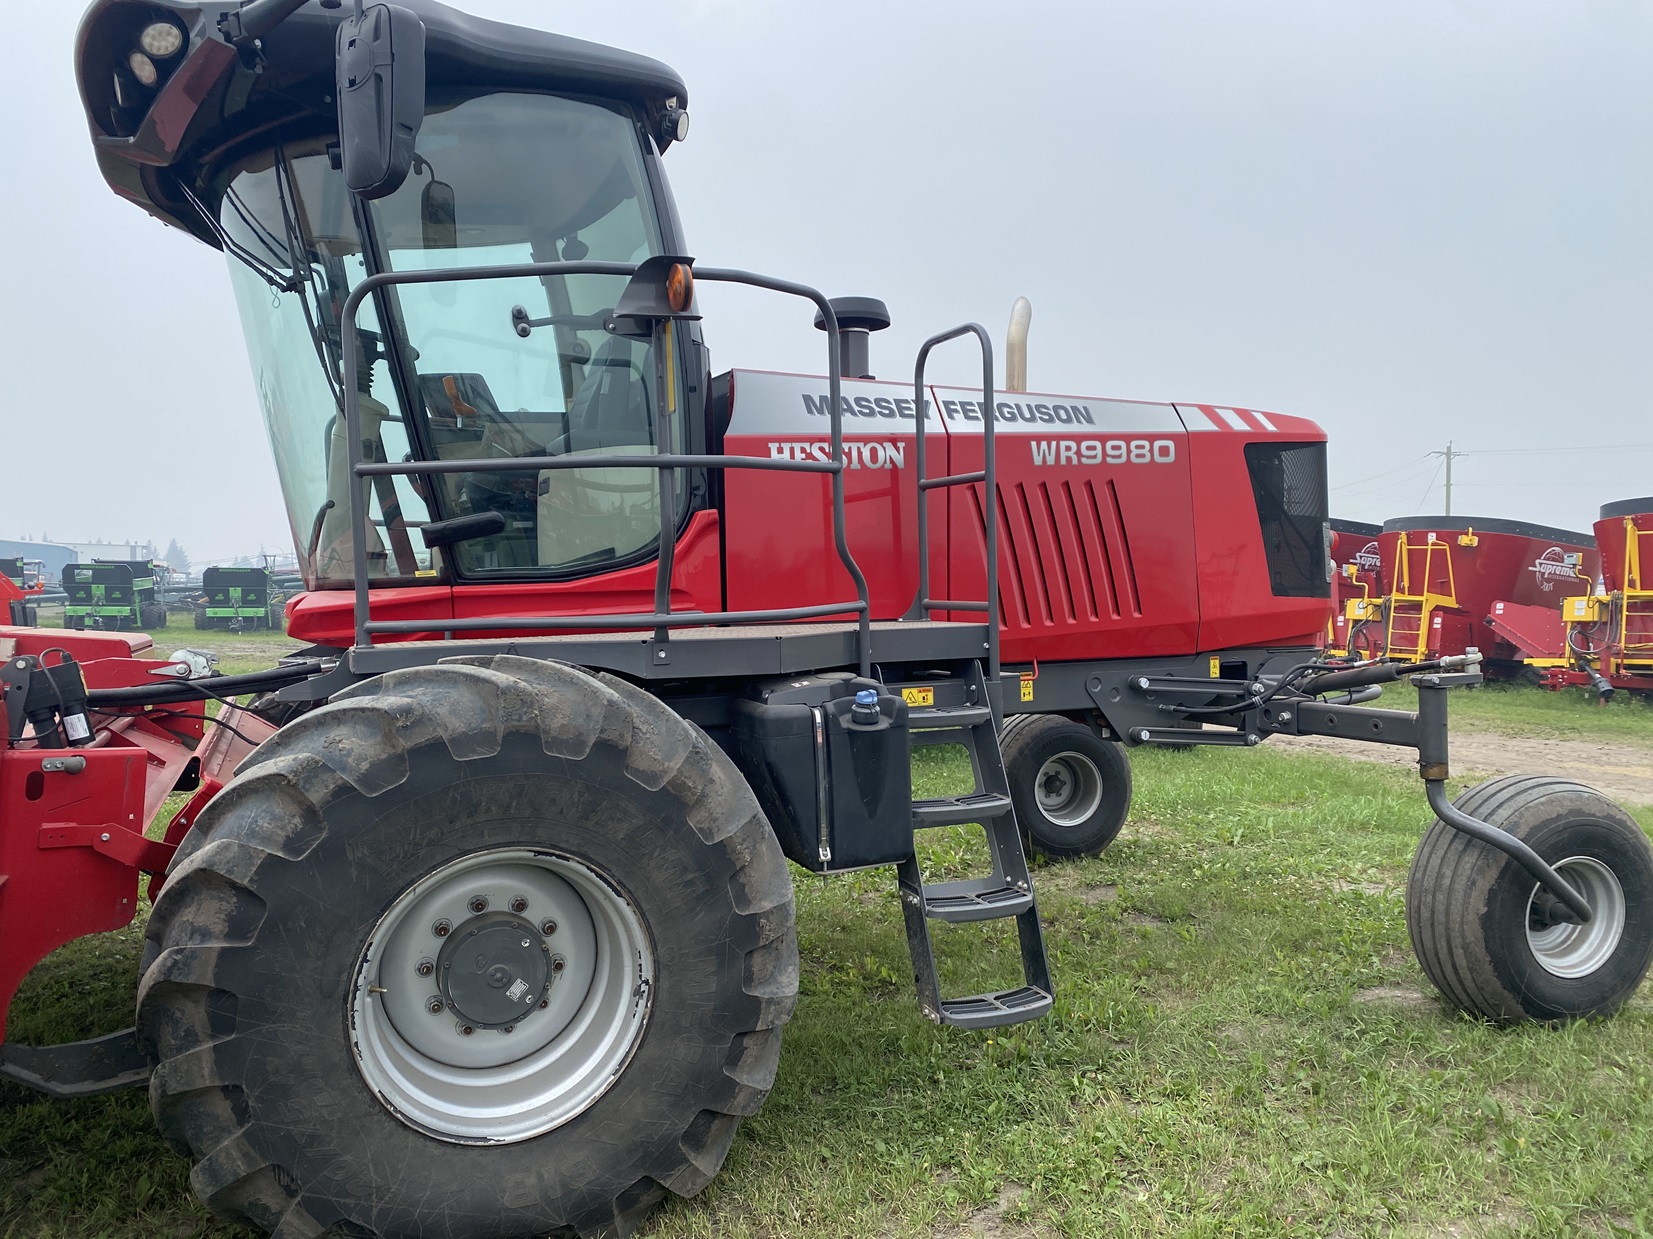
(585, 1007)
(1572, 951)
(1068, 789)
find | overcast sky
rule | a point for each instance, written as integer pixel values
(1413, 222)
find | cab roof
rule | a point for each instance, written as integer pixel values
(215, 103)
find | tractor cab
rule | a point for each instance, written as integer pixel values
(531, 149)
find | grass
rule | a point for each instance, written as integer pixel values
(1519, 710)
(1242, 1045)
(97, 1167)
(238, 652)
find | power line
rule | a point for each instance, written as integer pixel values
(1546, 451)
(1590, 484)
(1413, 464)
(1431, 485)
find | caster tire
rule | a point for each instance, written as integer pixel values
(1481, 927)
(586, 846)
(1071, 788)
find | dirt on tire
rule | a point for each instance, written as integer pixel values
(1623, 772)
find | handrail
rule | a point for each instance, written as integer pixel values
(672, 619)
(987, 475)
(533, 464)
(663, 618)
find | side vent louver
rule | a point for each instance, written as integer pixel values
(1067, 557)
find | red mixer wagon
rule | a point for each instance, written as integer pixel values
(1357, 589)
(1457, 582)
(1609, 633)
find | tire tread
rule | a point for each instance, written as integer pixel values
(1452, 881)
(364, 741)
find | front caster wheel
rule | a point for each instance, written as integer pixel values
(1071, 789)
(1500, 947)
(483, 950)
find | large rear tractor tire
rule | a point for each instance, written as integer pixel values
(1494, 943)
(1071, 789)
(492, 948)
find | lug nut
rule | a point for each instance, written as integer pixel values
(548, 927)
(509, 1028)
(442, 928)
(479, 903)
(519, 904)
(558, 963)
(435, 1006)
(544, 1003)
(466, 1030)
(425, 967)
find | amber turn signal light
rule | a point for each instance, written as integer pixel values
(679, 287)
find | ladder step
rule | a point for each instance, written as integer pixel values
(958, 713)
(947, 716)
(952, 810)
(1010, 1006)
(974, 900)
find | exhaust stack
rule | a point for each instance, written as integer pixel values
(1015, 350)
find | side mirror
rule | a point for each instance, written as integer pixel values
(438, 221)
(381, 91)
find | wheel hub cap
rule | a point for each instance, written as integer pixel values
(1068, 788)
(1569, 950)
(480, 1025)
(494, 970)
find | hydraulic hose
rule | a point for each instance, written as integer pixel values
(168, 692)
(1355, 677)
(1384, 673)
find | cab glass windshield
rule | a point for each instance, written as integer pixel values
(498, 179)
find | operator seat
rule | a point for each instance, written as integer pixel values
(332, 536)
(466, 423)
(598, 513)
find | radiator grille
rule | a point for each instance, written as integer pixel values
(1288, 483)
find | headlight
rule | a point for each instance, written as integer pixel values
(161, 39)
(143, 68)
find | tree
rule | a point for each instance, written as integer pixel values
(175, 558)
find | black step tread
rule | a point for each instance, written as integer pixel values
(947, 716)
(952, 810)
(1010, 1006)
(974, 900)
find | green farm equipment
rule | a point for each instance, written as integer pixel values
(241, 599)
(112, 593)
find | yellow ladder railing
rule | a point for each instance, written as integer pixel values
(1427, 600)
(1635, 639)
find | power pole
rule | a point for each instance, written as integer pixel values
(1449, 454)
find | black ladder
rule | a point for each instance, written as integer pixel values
(965, 716)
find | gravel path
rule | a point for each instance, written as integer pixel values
(1621, 771)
